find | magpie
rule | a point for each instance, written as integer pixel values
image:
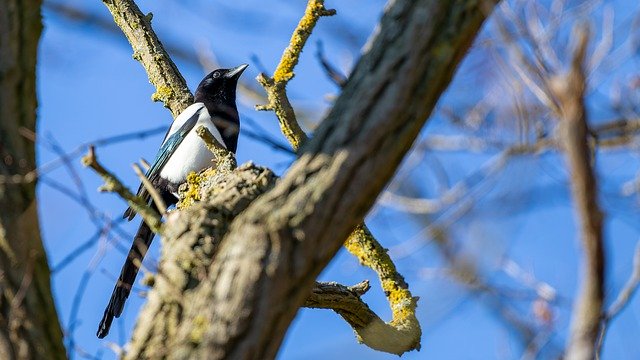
(182, 151)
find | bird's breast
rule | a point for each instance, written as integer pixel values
(191, 155)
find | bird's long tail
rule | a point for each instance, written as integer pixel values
(127, 277)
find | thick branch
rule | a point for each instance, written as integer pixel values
(403, 332)
(276, 248)
(29, 325)
(191, 239)
(569, 91)
(171, 88)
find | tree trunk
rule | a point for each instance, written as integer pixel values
(241, 306)
(29, 327)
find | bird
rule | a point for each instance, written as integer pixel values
(182, 152)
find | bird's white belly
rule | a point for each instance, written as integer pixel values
(191, 155)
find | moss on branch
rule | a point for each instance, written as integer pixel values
(171, 88)
(361, 242)
(276, 86)
(113, 184)
(213, 197)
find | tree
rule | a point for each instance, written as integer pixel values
(273, 287)
(29, 325)
(271, 237)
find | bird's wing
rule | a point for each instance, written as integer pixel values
(184, 116)
(168, 147)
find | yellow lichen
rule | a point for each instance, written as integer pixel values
(314, 10)
(362, 245)
(192, 193)
(163, 93)
(199, 328)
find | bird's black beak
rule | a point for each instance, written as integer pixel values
(236, 71)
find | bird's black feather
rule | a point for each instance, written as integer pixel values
(217, 92)
(162, 157)
(127, 276)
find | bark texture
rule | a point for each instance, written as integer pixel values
(265, 266)
(29, 327)
(171, 88)
(191, 238)
(402, 333)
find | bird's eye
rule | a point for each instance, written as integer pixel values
(215, 75)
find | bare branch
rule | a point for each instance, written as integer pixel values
(171, 88)
(112, 184)
(225, 160)
(275, 86)
(623, 298)
(343, 300)
(157, 199)
(332, 73)
(569, 92)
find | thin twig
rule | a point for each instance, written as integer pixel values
(112, 184)
(332, 73)
(275, 86)
(225, 160)
(145, 164)
(623, 298)
(157, 199)
(59, 161)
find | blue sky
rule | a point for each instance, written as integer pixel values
(89, 87)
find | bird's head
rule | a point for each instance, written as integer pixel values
(219, 86)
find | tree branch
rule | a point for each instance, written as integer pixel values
(157, 199)
(190, 243)
(171, 88)
(344, 300)
(225, 160)
(276, 86)
(276, 248)
(622, 300)
(113, 184)
(569, 92)
(403, 332)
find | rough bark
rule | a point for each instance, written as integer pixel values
(402, 333)
(29, 327)
(266, 265)
(191, 238)
(171, 88)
